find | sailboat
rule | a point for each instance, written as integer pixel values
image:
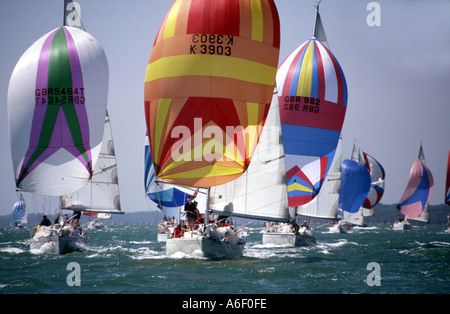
(208, 89)
(414, 202)
(377, 177)
(261, 193)
(312, 93)
(57, 99)
(170, 199)
(19, 213)
(355, 186)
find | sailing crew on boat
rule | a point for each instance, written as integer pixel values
(200, 220)
(178, 231)
(221, 221)
(305, 224)
(78, 228)
(189, 208)
(45, 221)
(76, 217)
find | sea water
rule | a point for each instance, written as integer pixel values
(128, 259)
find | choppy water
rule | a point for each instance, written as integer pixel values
(128, 259)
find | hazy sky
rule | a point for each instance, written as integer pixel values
(398, 77)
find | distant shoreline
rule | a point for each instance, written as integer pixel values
(384, 214)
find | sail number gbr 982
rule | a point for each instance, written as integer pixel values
(299, 103)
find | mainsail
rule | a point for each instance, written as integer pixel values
(312, 93)
(208, 88)
(319, 31)
(101, 193)
(260, 193)
(418, 191)
(57, 99)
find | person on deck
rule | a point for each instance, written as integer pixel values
(189, 208)
(178, 231)
(45, 222)
(76, 217)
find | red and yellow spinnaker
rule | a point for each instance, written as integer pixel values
(208, 87)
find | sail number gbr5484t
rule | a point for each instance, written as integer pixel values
(299, 103)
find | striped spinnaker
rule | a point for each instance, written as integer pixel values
(208, 88)
(56, 106)
(313, 99)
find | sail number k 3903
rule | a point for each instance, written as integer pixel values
(298, 103)
(211, 44)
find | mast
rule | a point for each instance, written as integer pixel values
(207, 207)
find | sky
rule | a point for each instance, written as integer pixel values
(397, 72)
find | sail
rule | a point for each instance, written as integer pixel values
(356, 218)
(447, 182)
(418, 190)
(319, 31)
(18, 212)
(101, 192)
(57, 99)
(167, 196)
(208, 88)
(313, 98)
(325, 204)
(260, 193)
(377, 176)
(355, 186)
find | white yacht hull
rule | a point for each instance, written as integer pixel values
(207, 247)
(402, 225)
(337, 229)
(162, 237)
(59, 244)
(276, 238)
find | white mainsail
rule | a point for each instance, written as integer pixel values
(101, 192)
(260, 193)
